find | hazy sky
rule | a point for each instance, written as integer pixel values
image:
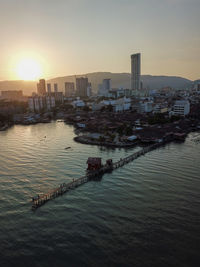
(80, 36)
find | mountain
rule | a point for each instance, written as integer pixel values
(117, 80)
(123, 80)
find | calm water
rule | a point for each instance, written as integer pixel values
(144, 214)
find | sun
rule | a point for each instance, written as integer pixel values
(28, 69)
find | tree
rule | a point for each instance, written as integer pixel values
(86, 108)
(128, 130)
(120, 130)
(102, 139)
(110, 108)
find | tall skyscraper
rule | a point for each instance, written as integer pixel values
(69, 89)
(41, 87)
(81, 87)
(48, 88)
(135, 71)
(55, 87)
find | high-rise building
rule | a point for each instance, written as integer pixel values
(89, 90)
(69, 89)
(55, 87)
(48, 88)
(81, 87)
(106, 84)
(104, 88)
(41, 87)
(135, 71)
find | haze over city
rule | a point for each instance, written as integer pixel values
(99, 133)
(56, 38)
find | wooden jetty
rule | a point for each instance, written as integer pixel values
(40, 200)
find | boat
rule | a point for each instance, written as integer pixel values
(68, 147)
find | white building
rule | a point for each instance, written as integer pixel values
(104, 88)
(181, 107)
(145, 107)
(122, 104)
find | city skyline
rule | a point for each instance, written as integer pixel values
(75, 37)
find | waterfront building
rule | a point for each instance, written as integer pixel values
(31, 104)
(82, 87)
(135, 71)
(181, 107)
(48, 88)
(50, 102)
(59, 98)
(69, 89)
(39, 103)
(41, 87)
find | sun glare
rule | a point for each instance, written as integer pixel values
(28, 69)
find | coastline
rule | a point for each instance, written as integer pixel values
(82, 140)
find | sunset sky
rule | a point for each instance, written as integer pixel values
(65, 37)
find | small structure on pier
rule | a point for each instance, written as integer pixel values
(109, 162)
(94, 164)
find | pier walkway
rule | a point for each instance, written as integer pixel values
(41, 199)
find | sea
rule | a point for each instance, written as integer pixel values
(146, 213)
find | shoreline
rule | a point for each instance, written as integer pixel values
(80, 139)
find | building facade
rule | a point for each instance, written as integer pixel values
(135, 71)
(82, 87)
(69, 89)
(104, 88)
(181, 108)
(41, 103)
(55, 87)
(41, 87)
(48, 88)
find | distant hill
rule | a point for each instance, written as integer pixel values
(117, 80)
(123, 80)
(26, 86)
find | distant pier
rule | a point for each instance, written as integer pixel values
(40, 200)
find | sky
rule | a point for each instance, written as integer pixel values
(70, 37)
